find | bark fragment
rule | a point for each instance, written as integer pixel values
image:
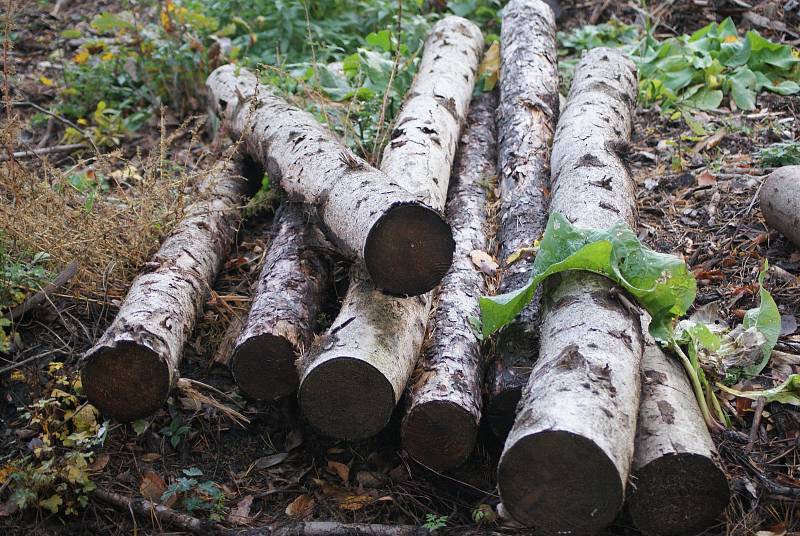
(128, 373)
(679, 488)
(406, 245)
(353, 378)
(568, 455)
(780, 201)
(285, 308)
(441, 422)
(527, 117)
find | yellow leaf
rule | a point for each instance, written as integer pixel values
(355, 502)
(107, 56)
(17, 376)
(52, 503)
(85, 420)
(169, 5)
(730, 39)
(83, 122)
(165, 20)
(81, 57)
(46, 81)
(302, 506)
(490, 67)
(54, 367)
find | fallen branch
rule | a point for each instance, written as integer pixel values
(55, 149)
(405, 244)
(355, 374)
(130, 370)
(566, 461)
(527, 116)
(44, 294)
(441, 421)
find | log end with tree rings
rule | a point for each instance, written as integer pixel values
(440, 434)
(264, 367)
(346, 398)
(559, 482)
(677, 494)
(127, 381)
(409, 250)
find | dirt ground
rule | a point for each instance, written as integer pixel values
(705, 209)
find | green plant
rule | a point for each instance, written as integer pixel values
(197, 496)
(434, 522)
(779, 154)
(19, 276)
(176, 431)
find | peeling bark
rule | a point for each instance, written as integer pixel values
(780, 201)
(527, 116)
(441, 422)
(128, 373)
(567, 458)
(285, 308)
(678, 486)
(354, 376)
(405, 244)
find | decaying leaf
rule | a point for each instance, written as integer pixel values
(271, 461)
(99, 463)
(786, 393)
(355, 502)
(240, 515)
(340, 469)
(152, 486)
(301, 507)
(483, 261)
(706, 178)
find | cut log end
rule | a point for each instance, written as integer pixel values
(264, 367)
(678, 494)
(364, 398)
(127, 382)
(501, 411)
(439, 434)
(409, 250)
(560, 482)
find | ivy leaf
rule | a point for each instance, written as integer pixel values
(767, 320)
(786, 393)
(661, 283)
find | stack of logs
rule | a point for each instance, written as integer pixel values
(566, 383)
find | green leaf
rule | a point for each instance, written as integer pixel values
(192, 471)
(52, 503)
(786, 393)
(743, 88)
(71, 33)
(661, 283)
(765, 318)
(735, 53)
(111, 22)
(705, 99)
(381, 40)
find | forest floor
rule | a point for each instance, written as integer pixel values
(697, 198)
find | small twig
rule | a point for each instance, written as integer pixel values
(40, 297)
(759, 409)
(9, 368)
(598, 11)
(60, 119)
(45, 151)
(57, 7)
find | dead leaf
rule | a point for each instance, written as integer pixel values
(339, 469)
(152, 486)
(302, 506)
(241, 514)
(8, 508)
(490, 67)
(99, 463)
(776, 530)
(371, 479)
(151, 457)
(711, 141)
(788, 325)
(706, 178)
(483, 261)
(355, 502)
(271, 461)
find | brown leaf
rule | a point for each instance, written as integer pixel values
(8, 508)
(706, 178)
(271, 461)
(483, 261)
(302, 506)
(99, 463)
(355, 502)
(152, 486)
(151, 457)
(711, 141)
(339, 469)
(241, 514)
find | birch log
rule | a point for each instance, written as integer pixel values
(128, 373)
(285, 308)
(406, 245)
(567, 458)
(441, 422)
(678, 486)
(780, 201)
(527, 116)
(354, 376)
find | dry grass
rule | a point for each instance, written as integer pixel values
(110, 236)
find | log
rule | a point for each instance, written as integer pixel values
(285, 308)
(406, 245)
(129, 371)
(566, 461)
(527, 115)
(354, 375)
(780, 201)
(445, 399)
(677, 485)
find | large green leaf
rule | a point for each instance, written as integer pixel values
(743, 88)
(661, 283)
(766, 319)
(786, 393)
